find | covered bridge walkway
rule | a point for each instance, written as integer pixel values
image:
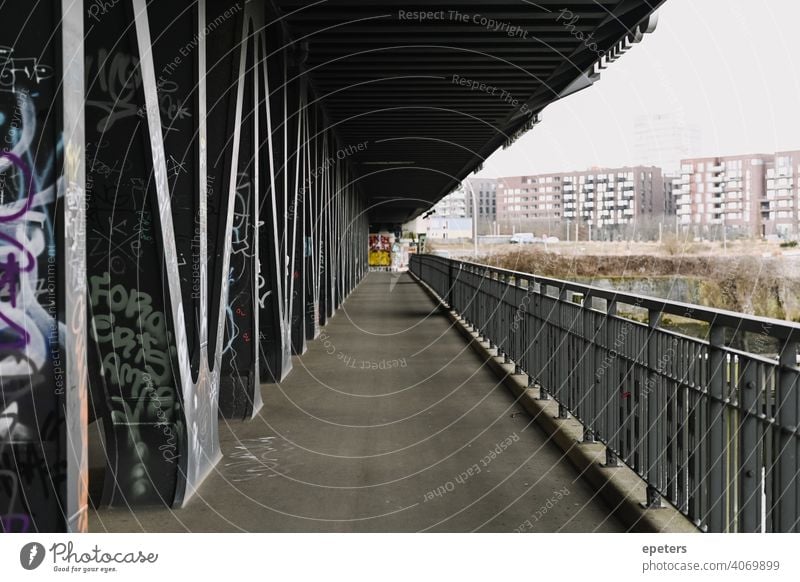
(389, 422)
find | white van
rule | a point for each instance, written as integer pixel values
(523, 238)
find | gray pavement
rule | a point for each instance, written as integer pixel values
(388, 423)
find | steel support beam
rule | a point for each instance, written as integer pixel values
(43, 400)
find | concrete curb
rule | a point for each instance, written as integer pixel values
(620, 487)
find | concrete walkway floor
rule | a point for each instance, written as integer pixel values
(388, 423)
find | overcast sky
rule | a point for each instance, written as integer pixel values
(732, 67)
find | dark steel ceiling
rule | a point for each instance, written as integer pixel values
(386, 78)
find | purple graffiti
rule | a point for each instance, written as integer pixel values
(15, 523)
(26, 172)
(10, 269)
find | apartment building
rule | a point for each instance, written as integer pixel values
(485, 191)
(530, 198)
(606, 199)
(458, 204)
(752, 195)
(671, 183)
(454, 205)
(780, 212)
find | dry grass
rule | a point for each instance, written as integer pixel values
(550, 264)
(748, 284)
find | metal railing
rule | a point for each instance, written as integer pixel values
(711, 428)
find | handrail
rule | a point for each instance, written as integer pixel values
(778, 328)
(711, 428)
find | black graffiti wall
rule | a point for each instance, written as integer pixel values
(132, 356)
(171, 231)
(234, 122)
(273, 281)
(40, 476)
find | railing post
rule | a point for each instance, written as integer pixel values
(653, 429)
(717, 490)
(503, 326)
(540, 335)
(611, 458)
(543, 395)
(611, 423)
(588, 371)
(449, 294)
(515, 334)
(750, 456)
(610, 389)
(560, 365)
(787, 414)
(483, 322)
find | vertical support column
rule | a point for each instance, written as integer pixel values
(43, 403)
(284, 196)
(297, 246)
(274, 333)
(341, 251)
(157, 435)
(239, 374)
(363, 239)
(132, 351)
(330, 235)
(340, 239)
(310, 193)
(150, 192)
(336, 250)
(322, 227)
(74, 280)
